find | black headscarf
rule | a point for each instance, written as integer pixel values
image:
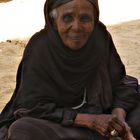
(52, 4)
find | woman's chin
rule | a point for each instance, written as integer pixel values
(76, 45)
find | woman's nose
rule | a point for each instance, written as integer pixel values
(76, 25)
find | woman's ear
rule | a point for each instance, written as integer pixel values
(53, 21)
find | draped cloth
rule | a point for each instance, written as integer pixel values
(58, 73)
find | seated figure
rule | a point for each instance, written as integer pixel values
(71, 82)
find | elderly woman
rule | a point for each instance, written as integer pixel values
(71, 83)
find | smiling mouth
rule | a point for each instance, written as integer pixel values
(75, 38)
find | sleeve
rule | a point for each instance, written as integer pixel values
(124, 87)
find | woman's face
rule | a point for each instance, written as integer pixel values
(75, 22)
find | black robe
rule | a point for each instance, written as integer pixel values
(47, 86)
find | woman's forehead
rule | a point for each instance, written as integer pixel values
(76, 5)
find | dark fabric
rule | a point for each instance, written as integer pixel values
(56, 3)
(3, 133)
(35, 129)
(133, 119)
(30, 128)
(56, 71)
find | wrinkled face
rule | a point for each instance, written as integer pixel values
(75, 22)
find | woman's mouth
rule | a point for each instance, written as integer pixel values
(75, 38)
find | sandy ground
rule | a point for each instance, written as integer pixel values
(4, 1)
(10, 56)
(126, 37)
(127, 40)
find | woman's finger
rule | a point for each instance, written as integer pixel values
(121, 123)
(103, 131)
(115, 126)
(130, 136)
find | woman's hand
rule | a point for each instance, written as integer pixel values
(126, 133)
(101, 123)
(104, 124)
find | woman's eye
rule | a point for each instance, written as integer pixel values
(67, 18)
(84, 18)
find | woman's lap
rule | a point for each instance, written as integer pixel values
(35, 129)
(27, 129)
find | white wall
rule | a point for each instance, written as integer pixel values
(114, 11)
(21, 18)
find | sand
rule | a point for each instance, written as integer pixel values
(125, 35)
(10, 56)
(4, 1)
(127, 40)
